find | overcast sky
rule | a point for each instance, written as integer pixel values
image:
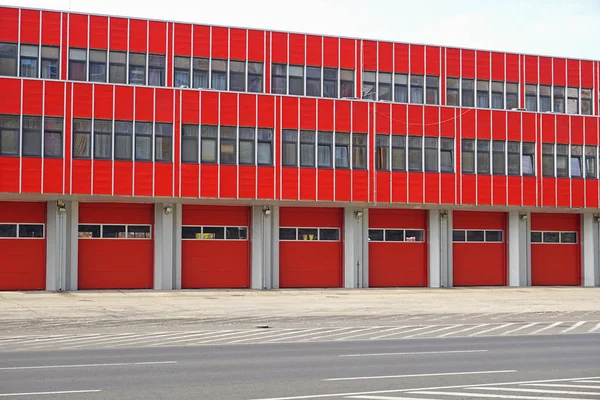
(568, 28)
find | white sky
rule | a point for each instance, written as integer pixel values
(567, 28)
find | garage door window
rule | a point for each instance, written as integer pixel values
(477, 236)
(214, 233)
(553, 237)
(99, 231)
(309, 234)
(21, 231)
(397, 235)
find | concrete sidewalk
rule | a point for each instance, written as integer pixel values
(153, 305)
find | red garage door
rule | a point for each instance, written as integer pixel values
(555, 257)
(397, 248)
(115, 246)
(215, 247)
(22, 246)
(310, 247)
(479, 248)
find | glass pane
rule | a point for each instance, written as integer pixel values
(536, 237)
(113, 231)
(89, 231)
(232, 233)
(31, 231)
(493, 236)
(213, 232)
(123, 147)
(308, 234)
(102, 146)
(568, 237)
(138, 232)
(376, 235)
(8, 230)
(329, 234)
(191, 232)
(287, 233)
(143, 148)
(475, 236)
(394, 235)
(551, 237)
(458, 236)
(414, 235)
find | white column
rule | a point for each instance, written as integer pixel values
(446, 248)
(518, 249)
(163, 246)
(72, 250)
(274, 248)
(265, 225)
(365, 248)
(353, 247)
(56, 246)
(177, 254)
(440, 248)
(589, 249)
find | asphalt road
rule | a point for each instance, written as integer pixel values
(338, 370)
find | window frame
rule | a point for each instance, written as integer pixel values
(12, 48)
(209, 134)
(163, 133)
(468, 151)
(562, 153)
(289, 137)
(498, 157)
(382, 152)
(81, 62)
(277, 75)
(219, 72)
(114, 63)
(264, 136)
(311, 145)
(14, 131)
(33, 59)
(228, 136)
(483, 93)
(431, 154)
(467, 92)
(83, 133)
(593, 158)
(369, 78)
(49, 131)
(27, 130)
(139, 135)
(453, 91)
(156, 65)
(132, 67)
(415, 146)
(99, 133)
(200, 78)
(432, 88)
(401, 88)
(398, 146)
(528, 152)
(247, 135)
(325, 142)
(513, 158)
(128, 136)
(237, 76)
(182, 65)
(254, 76)
(360, 153)
(312, 82)
(94, 56)
(416, 89)
(48, 62)
(512, 95)
(384, 82)
(531, 97)
(342, 143)
(190, 138)
(483, 166)
(346, 83)
(548, 161)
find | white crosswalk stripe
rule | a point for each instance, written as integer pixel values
(163, 338)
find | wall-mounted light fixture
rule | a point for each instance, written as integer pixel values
(443, 215)
(168, 210)
(61, 206)
(358, 214)
(522, 217)
(596, 217)
(266, 210)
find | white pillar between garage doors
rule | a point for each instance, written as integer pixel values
(163, 246)
(62, 220)
(264, 239)
(589, 250)
(518, 249)
(356, 253)
(439, 240)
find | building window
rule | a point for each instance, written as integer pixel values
(401, 88)
(498, 95)
(163, 142)
(330, 82)
(483, 156)
(512, 95)
(382, 152)
(431, 154)
(307, 149)
(548, 159)
(573, 100)
(289, 152)
(102, 139)
(514, 158)
(468, 156)
(265, 146)
(531, 98)
(29, 61)
(227, 147)
(313, 81)
(279, 78)
(255, 77)
(200, 69)
(398, 153)
(468, 93)
(432, 90)
(237, 76)
(98, 65)
(415, 153)
(325, 151)
(32, 137)
(498, 157)
(53, 133)
(359, 151)
(82, 138)
(247, 146)
(416, 90)
(447, 155)
(219, 74)
(452, 91)
(545, 98)
(559, 99)
(385, 86)
(143, 141)
(50, 63)
(346, 83)
(156, 70)
(369, 90)
(342, 150)
(527, 159)
(77, 64)
(586, 101)
(208, 148)
(8, 59)
(137, 69)
(590, 161)
(296, 80)
(562, 160)
(9, 135)
(123, 140)
(182, 71)
(189, 143)
(483, 94)
(576, 161)
(117, 68)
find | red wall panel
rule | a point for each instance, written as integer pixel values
(483, 65)
(314, 50)
(360, 117)
(9, 24)
(468, 63)
(498, 66)
(82, 177)
(529, 191)
(51, 28)
(545, 66)
(138, 35)
(32, 97)
(296, 49)
(228, 109)
(209, 102)
(266, 182)
(562, 129)
(325, 178)
(183, 39)
(119, 34)
(432, 188)
(31, 178)
(190, 175)
(53, 175)
(82, 100)
(30, 26)
(512, 68)
(9, 174)
(348, 53)
(158, 37)
(325, 115)
(54, 104)
(102, 180)
(433, 60)
(308, 114)
(514, 126)
(163, 179)
(201, 40)
(10, 101)
(144, 104)
(289, 113)
(386, 56)
(560, 71)
(247, 181)
(143, 178)
(432, 121)
(417, 59)
(124, 103)
(190, 107)
(484, 124)
(531, 69)
(382, 118)
(573, 73)
(369, 54)
(289, 183)
(331, 50)
(453, 62)
(220, 42)
(256, 45)
(499, 125)
(266, 111)
(587, 74)
(247, 110)
(123, 178)
(78, 30)
(103, 101)
(401, 58)
(237, 44)
(279, 47)
(399, 187)
(342, 115)
(468, 188)
(228, 181)
(308, 184)
(529, 131)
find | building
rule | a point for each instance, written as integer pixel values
(153, 154)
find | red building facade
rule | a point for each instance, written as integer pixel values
(116, 110)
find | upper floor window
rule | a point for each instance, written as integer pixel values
(8, 59)
(483, 94)
(369, 90)
(163, 142)
(103, 139)
(586, 101)
(32, 137)
(590, 161)
(498, 157)
(156, 70)
(77, 64)
(452, 91)
(237, 76)
(531, 97)
(279, 79)
(29, 61)
(82, 138)
(576, 161)
(513, 150)
(347, 83)
(385, 86)
(545, 98)
(398, 153)
(227, 146)
(559, 99)
(313, 81)
(548, 159)
(431, 154)
(123, 140)
(189, 143)
(573, 100)
(143, 141)
(468, 93)
(200, 68)
(415, 153)
(382, 152)
(255, 77)
(53, 137)
(98, 65)
(117, 68)
(468, 156)
(219, 75)
(498, 95)
(330, 82)
(296, 80)
(307, 149)
(181, 76)
(265, 146)
(416, 89)
(208, 144)
(401, 88)
(562, 160)
(50, 62)
(247, 146)
(137, 68)
(9, 135)
(325, 150)
(289, 148)
(432, 85)
(527, 158)
(359, 151)
(447, 155)
(342, 150)
(512, 95)
(483, 156)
